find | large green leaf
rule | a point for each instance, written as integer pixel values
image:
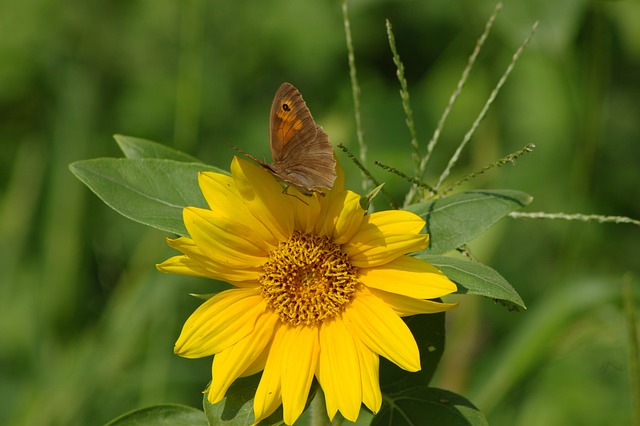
(475, 278)
(142, 148)
(422, 405)
(162, 415)
(428, 330)
(457, 219)
(236, 408)
(150, 191)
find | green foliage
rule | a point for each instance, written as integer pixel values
(457, 219)
(415, 405)
(236, 408)
(162, 415)
(475, 278)
(151, 186)
(430, 336)
(137, 148)
(148, 190)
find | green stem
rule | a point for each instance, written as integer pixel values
(404, 95)
(578, 216)
(355, 88)
(467, 137)
(452, 100)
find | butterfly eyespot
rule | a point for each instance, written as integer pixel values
(302, 153)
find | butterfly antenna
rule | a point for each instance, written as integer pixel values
(249, 156)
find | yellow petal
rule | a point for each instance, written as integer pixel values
(220, 322)
(185, 266)
(226, 203)
(369, 363)
(299, 360)
(384, 236)
(258, 364)
(307, 210)
(232, 362)
(264, 197)
(221, 244)
(350, 218)
(341, 216)
(339, 370)
(269, 393)
(223, 198)
(194, 263)
(382, 330)
(405, 306)
(408, 276)
(220, 192)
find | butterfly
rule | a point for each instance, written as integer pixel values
(302, 154)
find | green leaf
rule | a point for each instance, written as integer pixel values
(457, 219)
(428, 330)
(150, 191)
(475, 278)
(236, 408)
(366, 200)
(162, 415)
(142, 148)
(422, 405)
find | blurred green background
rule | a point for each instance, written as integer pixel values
(87, 323)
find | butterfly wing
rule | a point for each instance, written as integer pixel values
(302, 153)
(291, 124)
(315, 171)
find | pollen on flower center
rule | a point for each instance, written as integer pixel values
(308, 279)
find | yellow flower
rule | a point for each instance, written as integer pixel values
(319, 289)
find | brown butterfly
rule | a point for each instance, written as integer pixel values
(301, 151)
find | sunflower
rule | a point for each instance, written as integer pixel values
(319, 289)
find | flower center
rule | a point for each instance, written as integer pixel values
(308, 279)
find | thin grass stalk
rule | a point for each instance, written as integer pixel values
(509, 159)
(404, 95)
(579, 217)
(452, 100)
(367, 174)
(467, 137)
(355, 89)
(404, 176)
